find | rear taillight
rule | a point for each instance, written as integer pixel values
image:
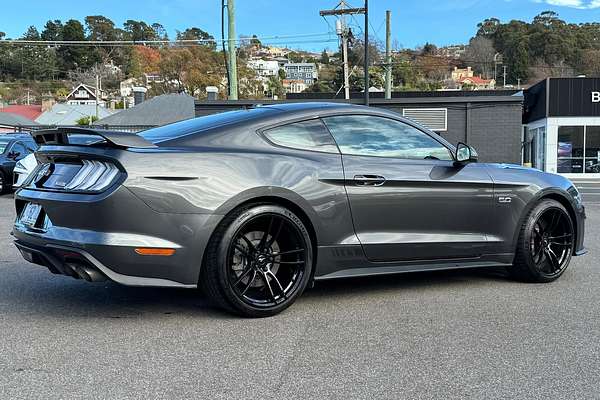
(89, 176)
(94, 176)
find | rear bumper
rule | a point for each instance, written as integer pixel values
(101, 233)
(79, 264)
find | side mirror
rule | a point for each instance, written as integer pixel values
(465, 153)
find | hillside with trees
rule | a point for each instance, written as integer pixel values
(546, 46)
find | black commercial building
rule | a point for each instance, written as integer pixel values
(561, 121)
(490, 121)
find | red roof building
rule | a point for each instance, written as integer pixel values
(30, 112)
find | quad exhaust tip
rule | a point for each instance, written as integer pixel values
(86, 273)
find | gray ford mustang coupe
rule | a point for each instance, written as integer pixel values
(255, 205)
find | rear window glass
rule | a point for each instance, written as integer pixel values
(199, 124)
(305, 135)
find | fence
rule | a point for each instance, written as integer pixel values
(120, 128)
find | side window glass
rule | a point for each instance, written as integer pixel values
(305, 135)
(19, 148)
(366, 135)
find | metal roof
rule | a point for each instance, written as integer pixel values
(10, 119)
(159, 110)
(68, 114)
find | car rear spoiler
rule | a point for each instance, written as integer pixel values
(60, 137)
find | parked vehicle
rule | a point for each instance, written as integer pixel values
(23, 169)
(254, 205)
(13, 148)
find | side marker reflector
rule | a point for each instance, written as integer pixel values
(155, 252)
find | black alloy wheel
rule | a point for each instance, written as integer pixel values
(552, 241)
(546, 243)
(263, 261)
(3, 183)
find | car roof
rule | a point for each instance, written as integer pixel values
(16, 136)
(309, 106)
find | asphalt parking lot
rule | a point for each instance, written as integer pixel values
(461, 334)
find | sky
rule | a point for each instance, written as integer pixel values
(414, 22)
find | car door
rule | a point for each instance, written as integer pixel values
(409, 199)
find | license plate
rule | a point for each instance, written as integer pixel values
(30, 214)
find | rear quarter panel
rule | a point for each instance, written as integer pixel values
(215, 181)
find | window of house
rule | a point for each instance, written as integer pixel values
(366, 135)
(305, 135)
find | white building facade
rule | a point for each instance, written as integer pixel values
(562, 126)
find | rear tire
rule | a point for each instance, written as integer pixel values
(258, 261)
(545, 245)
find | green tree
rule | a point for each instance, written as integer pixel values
(138, 31)
(88, 120)
(197, 34)
(52, 30)
(73, 57)
(255, 41)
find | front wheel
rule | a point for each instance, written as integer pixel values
(3, 183)
(258, 261)
(545, 244)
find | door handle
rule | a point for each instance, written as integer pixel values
(369, 180)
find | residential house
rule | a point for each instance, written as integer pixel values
(276, 51)
(453, 51)
(464, 78)
(294, 85)
(31, 112)
(263, 67)
(159, 110)
(476, 83)
(306, 72)
(62, 114)
(86, 95)
(153, 77)
(9, 121)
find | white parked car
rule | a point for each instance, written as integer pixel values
(23, 169)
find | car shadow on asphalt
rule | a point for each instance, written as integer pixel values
(62, 297)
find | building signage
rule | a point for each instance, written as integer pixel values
(595, 97)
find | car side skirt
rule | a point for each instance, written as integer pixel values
(348, 261)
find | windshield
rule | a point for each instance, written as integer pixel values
(3, 144)
(195, 125)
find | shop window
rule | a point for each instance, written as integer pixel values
(592, 149)
(570, 149)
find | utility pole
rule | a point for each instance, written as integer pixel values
(388, 54)
(233, 87)
(496, 66)
(519, 83)
(367, 85)
(504, 75)
(343, 31)
(97, 94)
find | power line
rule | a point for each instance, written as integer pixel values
(152, 42)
